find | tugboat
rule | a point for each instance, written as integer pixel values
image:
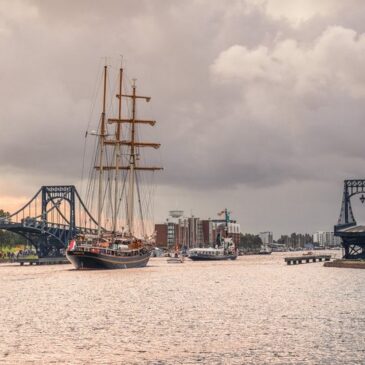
(117, 162)
(225, 248)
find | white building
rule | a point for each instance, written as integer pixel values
(266, 237)
(325, 239)
(234, 228)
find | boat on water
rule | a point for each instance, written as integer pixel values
(200, 254)
(225, 248)
(116, 170)
(176, 257)
(101, 254)
(265, 250)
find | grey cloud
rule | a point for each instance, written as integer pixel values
(244, 133)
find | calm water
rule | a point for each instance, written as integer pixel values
(255, 310)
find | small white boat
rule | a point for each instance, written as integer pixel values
(226, 251)
(175, 260)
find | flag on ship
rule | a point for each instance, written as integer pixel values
(72, 245)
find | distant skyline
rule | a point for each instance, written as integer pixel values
(260, 104)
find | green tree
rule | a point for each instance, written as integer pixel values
(8, 239)
(250, 242)
(3, 213)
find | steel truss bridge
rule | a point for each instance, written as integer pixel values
(353, 235)
(51, 219)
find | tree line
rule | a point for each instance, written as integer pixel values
(8, 238)
(250, 242)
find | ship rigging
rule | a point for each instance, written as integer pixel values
(116, 169)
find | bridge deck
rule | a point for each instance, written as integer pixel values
(353, 229)
(53, 216)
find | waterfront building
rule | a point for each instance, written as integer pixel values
(326, 239)
(173, 231)
(171, 234)
(234, 231)
(209, 231)
(317, 238)
(161, 235)
(195, 238)
(184, 232)
(296, 240)
(266, 237)
(193, 232)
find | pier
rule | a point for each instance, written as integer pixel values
(306, 259)
(43, 261)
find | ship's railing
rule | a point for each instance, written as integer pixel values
(111, 252)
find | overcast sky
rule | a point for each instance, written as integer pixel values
(260, 103)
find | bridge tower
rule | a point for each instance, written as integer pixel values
(352, 235)
(57, 194)
(51, 219)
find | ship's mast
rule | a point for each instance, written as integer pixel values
(132, 144)
(117, 152)
(132, 162)
(101, 154)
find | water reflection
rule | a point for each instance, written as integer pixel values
(255, 310)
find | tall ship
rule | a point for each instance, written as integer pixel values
(115, 178)
(224, 247)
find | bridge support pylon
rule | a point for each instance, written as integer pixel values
(352, 235)
(51, 219)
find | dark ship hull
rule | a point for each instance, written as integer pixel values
(94, 260)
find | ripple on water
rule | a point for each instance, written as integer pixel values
(255, 310)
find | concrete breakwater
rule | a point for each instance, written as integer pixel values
(349, 264)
